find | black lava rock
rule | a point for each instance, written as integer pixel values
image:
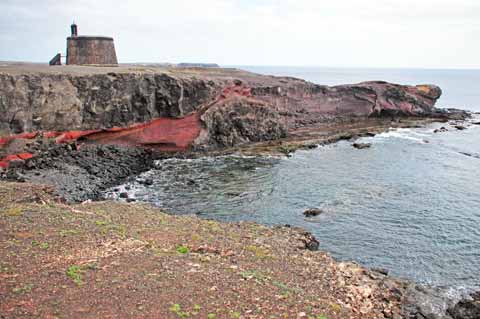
(312, 212)
(362, 146)
(467, 309)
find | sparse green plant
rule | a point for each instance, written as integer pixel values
(182, 250)
(24, 289)
(258, 251)
(14, 212)
(177, 310)
(106, 227)
(40, 245)
(100, 223)
(74, 272)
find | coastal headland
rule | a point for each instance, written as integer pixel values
(68, 133)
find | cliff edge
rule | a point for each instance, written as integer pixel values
(176, 109)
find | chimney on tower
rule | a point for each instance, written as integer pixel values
(74, 29)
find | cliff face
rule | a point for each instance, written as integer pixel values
(64, 102)
(176, 109)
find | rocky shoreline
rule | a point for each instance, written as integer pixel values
(83, 130)
(72, 260)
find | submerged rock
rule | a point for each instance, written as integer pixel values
(312, 212)
(440, 130)
(361, 146)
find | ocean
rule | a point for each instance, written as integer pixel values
(410, 203)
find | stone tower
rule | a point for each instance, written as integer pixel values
(90, 50)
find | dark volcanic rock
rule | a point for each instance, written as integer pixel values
(240, 120)
(460, 127)
(424, 302)
(439, 130)
(236, 106)
(451, 114)
(361, 146)
(313, 212)
(62, 102)
(467, 309)
(311, 243)
(83, 174)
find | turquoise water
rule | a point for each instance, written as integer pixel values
(410, 203)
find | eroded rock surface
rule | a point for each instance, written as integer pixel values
(467, 309)
(239, 120)
(36, 99)
(181, 109)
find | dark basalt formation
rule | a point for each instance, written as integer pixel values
(81, 173)
(312, 212)
(467, 308)
(34, 100)
(165, 110)
(361, 146)
(241, 120)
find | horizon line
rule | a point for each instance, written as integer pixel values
(283, 65)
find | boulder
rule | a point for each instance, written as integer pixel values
(361, 146)
(439, 130)
(467, 309)
(312, 212)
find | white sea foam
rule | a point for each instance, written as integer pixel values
(401, 134)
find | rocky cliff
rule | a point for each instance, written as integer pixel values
(178, 109)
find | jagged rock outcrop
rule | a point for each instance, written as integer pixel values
(239, 120)
(62, 102)
(467, 308)
(178, 109)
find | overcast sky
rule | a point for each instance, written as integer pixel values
(350, 33)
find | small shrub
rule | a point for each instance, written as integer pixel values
(177, 309)
(182, 250)
(75, 273)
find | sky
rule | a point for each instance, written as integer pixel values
(332, 33)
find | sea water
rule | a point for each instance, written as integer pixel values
(410, 203)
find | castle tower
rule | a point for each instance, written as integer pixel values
(74, 29)
(90, 50)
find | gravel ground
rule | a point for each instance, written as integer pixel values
(113, 260)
